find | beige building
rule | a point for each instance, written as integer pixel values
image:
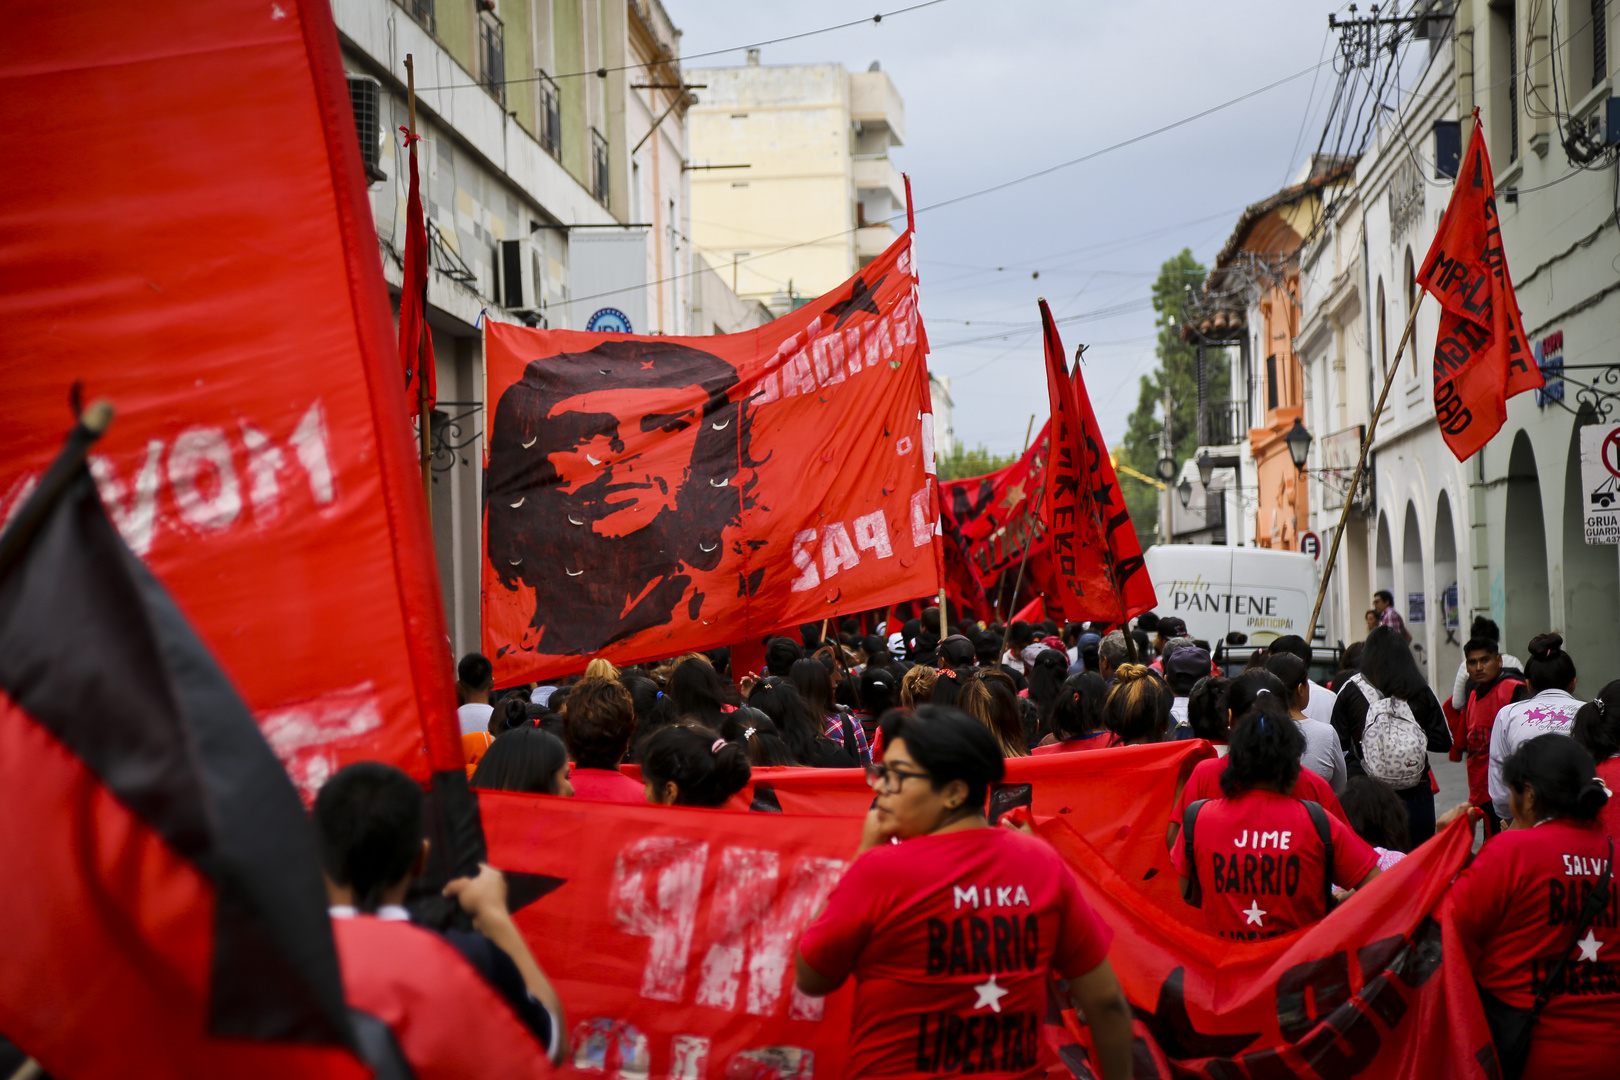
(553, 170)
(792, 186)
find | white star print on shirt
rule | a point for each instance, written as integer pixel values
(1255, 915)
(990, 994)
(1589, 946)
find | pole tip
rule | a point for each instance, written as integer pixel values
(98, 416)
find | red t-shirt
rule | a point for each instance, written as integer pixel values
(1205, 783)
(1515, 907)
(951, 940)
(606, 785)
(1260, 864)
(1608, 771)
(1100, 740)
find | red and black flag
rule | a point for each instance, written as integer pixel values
(993, 521)
(163, 901)
(1095, 553)
(1481, 357)
(415, 336)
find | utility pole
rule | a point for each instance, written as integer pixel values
(1164, 453)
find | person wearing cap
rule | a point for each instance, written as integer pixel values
(1086, 656)
(1169, 627)
(1182, 670)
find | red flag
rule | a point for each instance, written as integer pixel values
(1034, 611)
(994, 520)
(415, 336)
(1481, 357)
(1098, 561)
(162, 892)
(653, 495)
(261, 464)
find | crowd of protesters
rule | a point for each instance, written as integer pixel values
(1339, 767)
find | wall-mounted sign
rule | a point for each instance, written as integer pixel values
(1600, 482)
(608, 321)
(1416, 604)
(1550, 358)
(1311, 544)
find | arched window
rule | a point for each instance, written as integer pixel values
(1411, 302)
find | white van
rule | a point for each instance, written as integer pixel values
(1258, 593)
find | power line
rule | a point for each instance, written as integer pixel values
(603, 71)
(993, 188)
(1127, 142)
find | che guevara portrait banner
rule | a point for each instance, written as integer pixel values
(645, 496)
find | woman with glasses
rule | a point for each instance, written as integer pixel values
(952, 928)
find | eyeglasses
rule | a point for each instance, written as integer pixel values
(887, 779)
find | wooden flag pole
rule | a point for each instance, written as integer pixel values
(944, 622)
(424, 426)
(1361, 464)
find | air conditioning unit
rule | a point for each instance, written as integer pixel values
(365, 95)
(520, 276)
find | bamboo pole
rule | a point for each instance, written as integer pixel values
(1361, 464)
(424, 426)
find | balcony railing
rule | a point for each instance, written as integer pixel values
(1223, 423)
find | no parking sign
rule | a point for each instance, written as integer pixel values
(1311, 544)
(1600, 482)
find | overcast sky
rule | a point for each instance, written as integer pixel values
(995, 91)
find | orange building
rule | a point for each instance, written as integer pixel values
(1251, 300)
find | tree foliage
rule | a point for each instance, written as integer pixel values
(1179, 277)
(962, 463)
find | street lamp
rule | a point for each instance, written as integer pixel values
(1299, 443)
(1184, 490)
(1206, 468)
(1166, 468)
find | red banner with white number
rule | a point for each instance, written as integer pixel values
(648, 496)
(670, 933)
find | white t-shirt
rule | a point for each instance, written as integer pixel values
(1548, 713)
(474, 717)
(1323, 755)
(1178, 711)
(1320, 706)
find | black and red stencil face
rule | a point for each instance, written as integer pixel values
(613, 473)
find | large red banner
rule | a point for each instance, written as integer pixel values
(192, 239)
(1379, 988)
(651, 495)
(670, 933)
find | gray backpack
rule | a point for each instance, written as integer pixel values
(1394, 748)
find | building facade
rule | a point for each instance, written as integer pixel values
(553, 173)
(792, 187)
(1499, 535)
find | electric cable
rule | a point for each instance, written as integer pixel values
(603, 71)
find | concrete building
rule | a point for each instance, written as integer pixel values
(792, 186)
(554, 185)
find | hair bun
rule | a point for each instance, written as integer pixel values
(1593, 796)
(1543, 646)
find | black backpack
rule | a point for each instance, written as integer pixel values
(1324, 833)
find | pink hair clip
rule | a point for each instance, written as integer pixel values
(719, 744)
